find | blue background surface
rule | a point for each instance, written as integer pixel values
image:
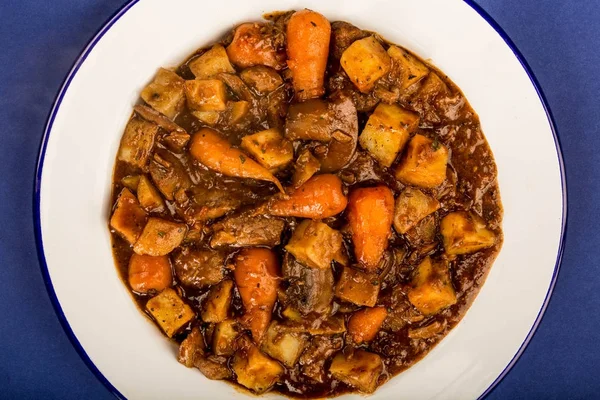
(39, 41)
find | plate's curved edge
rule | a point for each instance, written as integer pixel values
(37, 192)
(82, 57)
(563, 180)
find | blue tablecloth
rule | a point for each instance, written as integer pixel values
(39, 40)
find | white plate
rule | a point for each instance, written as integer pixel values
(74, 178)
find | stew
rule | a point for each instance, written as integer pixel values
(304, 207)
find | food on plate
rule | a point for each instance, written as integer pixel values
(303, 207)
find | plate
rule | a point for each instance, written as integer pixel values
(73, 183)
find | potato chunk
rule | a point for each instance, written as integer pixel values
(269, 148)
(137, 142)
(365, 61)
(211, 63)
(169, 311)
(360, 369)
(464, 233)
(254, 370)
(283, 346)
(148, 196)
(411, 207)
(424, 163)
(410, 69)
(224, 337)
(208, 117)
(431, 288)
(315, 244)
(129, 218)
(206, 95)
(387, 131)
(216, 305)
(165, 93)
(160, 237)
(358, 287)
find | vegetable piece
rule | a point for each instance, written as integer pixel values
(208, 117)
(160, 237)
(206, 95)
(176, 141)
(243, 231)
(308, 35)
(357, 287)
(427, 331)
(387, 131)
(364, 324)
(224, 337)
(148, 273)
(216, 305)
(306, 166)
(216, 153)
(411, 207)
(191, 348)
(365, 61)
(131, 182)
(465, 232)
(261, 79)
(238, 110)
(283, 346)
(165, 93)
(237, 86)
(423, 163)
(342, 147)
(169, 311)
(256, 272)
(360, 369)
(310, 290)
(310, 120)
(408, 68)
(211, 63)
(128, 218)
(370, 215)
(148, 196)
(199, 268)
(253, 369)
(431, 287)
(269, 148)
(320, 197)
(137, 142)
(315, 244)
(253, 45)
(168, 173)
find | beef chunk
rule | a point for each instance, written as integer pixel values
(199, 268)
(242, 231)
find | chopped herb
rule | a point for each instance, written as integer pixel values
(242, 158)
(161, 234)
(312, 23)
(411, 76)
(436, 144)
(374, 282)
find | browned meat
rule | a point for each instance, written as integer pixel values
(364, 169)
(310, 289)
(199, 268)
(319, 350)
(242, 231)
(213, 367)
(342, 36)
(168, 173)
(192, 348)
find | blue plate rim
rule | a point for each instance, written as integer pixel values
(81, 59)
